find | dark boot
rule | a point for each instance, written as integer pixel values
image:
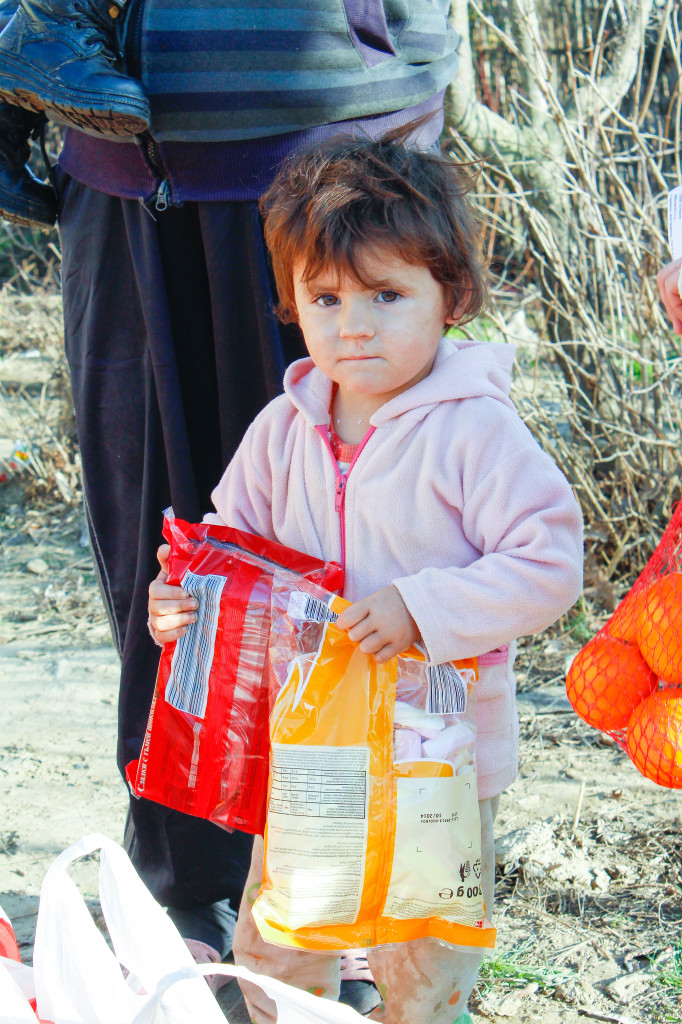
(61, 56)
(7, 10)
(23, 198)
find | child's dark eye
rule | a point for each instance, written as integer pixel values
(388, 296)
(326, 300)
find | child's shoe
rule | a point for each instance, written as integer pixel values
(23, 198)
(61, 56)
(357, 983)
(205, 954)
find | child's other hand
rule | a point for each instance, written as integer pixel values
(381, 624)
(667, 280)
(171, 609)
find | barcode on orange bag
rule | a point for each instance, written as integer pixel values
(447, 690)
(303, 607)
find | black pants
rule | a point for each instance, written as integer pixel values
(173, 349)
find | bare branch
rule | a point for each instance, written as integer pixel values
(605, 91)
(477, 123)
(536, 70)
(487, 132)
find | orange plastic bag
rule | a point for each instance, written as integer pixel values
(627, 681)
(373, 832)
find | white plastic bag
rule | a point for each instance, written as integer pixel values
(14, 1006)
(294, 1006)
(16, 980)
(78, 979)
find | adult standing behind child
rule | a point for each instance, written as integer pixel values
(399, 453)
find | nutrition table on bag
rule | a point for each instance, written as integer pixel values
(318, 792)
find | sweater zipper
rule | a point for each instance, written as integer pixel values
(161, 197)
(341, 481)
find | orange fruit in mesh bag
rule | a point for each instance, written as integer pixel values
(654, 741)
(623, 624)
(606, 680)
(659, 627)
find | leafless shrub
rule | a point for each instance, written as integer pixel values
(37, 430)
(38, 448)
(580, 142)
(30, 257)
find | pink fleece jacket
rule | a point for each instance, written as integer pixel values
(450, 499)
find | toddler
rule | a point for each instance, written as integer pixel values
(399, 453)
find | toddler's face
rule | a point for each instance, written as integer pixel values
(378, 340)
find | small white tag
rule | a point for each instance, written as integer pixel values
(296, 606)
(675, 221)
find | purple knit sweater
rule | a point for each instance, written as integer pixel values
(214, 171)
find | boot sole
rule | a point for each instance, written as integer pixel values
(82, 111)
(23, 220)
(19, 215)
(104, 122)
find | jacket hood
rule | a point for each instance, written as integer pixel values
(462, 369)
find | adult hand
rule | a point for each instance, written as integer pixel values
(668, 281)
(380, 624)
(171, 609)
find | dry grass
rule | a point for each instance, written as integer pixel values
(39, 455)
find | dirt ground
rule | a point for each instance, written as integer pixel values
(589, 906)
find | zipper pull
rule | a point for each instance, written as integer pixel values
(146, 205)
(162, 199)
(159, 200)
(340, 489)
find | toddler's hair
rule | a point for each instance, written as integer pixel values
(332, 202)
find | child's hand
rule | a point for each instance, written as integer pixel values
(171, 609)
(667, 280)
(381, 624)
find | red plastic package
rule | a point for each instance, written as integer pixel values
(10, 960)
(8, 944)
(206, 749)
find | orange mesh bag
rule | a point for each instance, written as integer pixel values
(627, 681)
